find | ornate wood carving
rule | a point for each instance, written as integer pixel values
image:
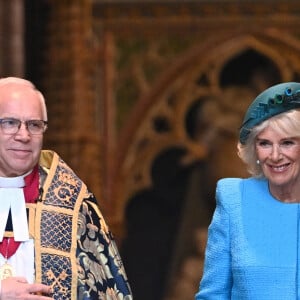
(163, 60)
(166, 57)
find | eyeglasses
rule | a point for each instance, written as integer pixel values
(12, 126)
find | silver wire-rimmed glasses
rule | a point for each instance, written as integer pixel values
(12, 126)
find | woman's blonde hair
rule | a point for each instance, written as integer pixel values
(287, 123)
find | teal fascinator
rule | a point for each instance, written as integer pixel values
(273, 101)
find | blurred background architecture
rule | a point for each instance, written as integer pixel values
(145, 99)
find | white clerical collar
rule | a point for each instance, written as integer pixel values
(12, 198)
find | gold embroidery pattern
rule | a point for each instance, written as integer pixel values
(98, 259)
(64, 189)
(58, 231)
(69, 220)
(57, 274)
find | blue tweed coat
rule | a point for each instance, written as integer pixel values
(253, 248)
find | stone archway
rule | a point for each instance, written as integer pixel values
(158, 120)
(160, 124)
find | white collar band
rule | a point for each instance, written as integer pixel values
(12, 198)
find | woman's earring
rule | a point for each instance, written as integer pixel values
(257, 162)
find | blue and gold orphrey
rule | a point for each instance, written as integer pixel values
(56, 227)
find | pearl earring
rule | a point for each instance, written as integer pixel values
(258, 162)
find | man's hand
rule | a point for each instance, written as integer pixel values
(17, 288)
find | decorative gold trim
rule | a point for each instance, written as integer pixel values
(8, 234)
(31, 217)
(59, 174)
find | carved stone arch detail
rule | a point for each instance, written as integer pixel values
(157, 122)
(242, 43)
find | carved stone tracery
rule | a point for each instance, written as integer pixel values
(144, 141)
(159, 78)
